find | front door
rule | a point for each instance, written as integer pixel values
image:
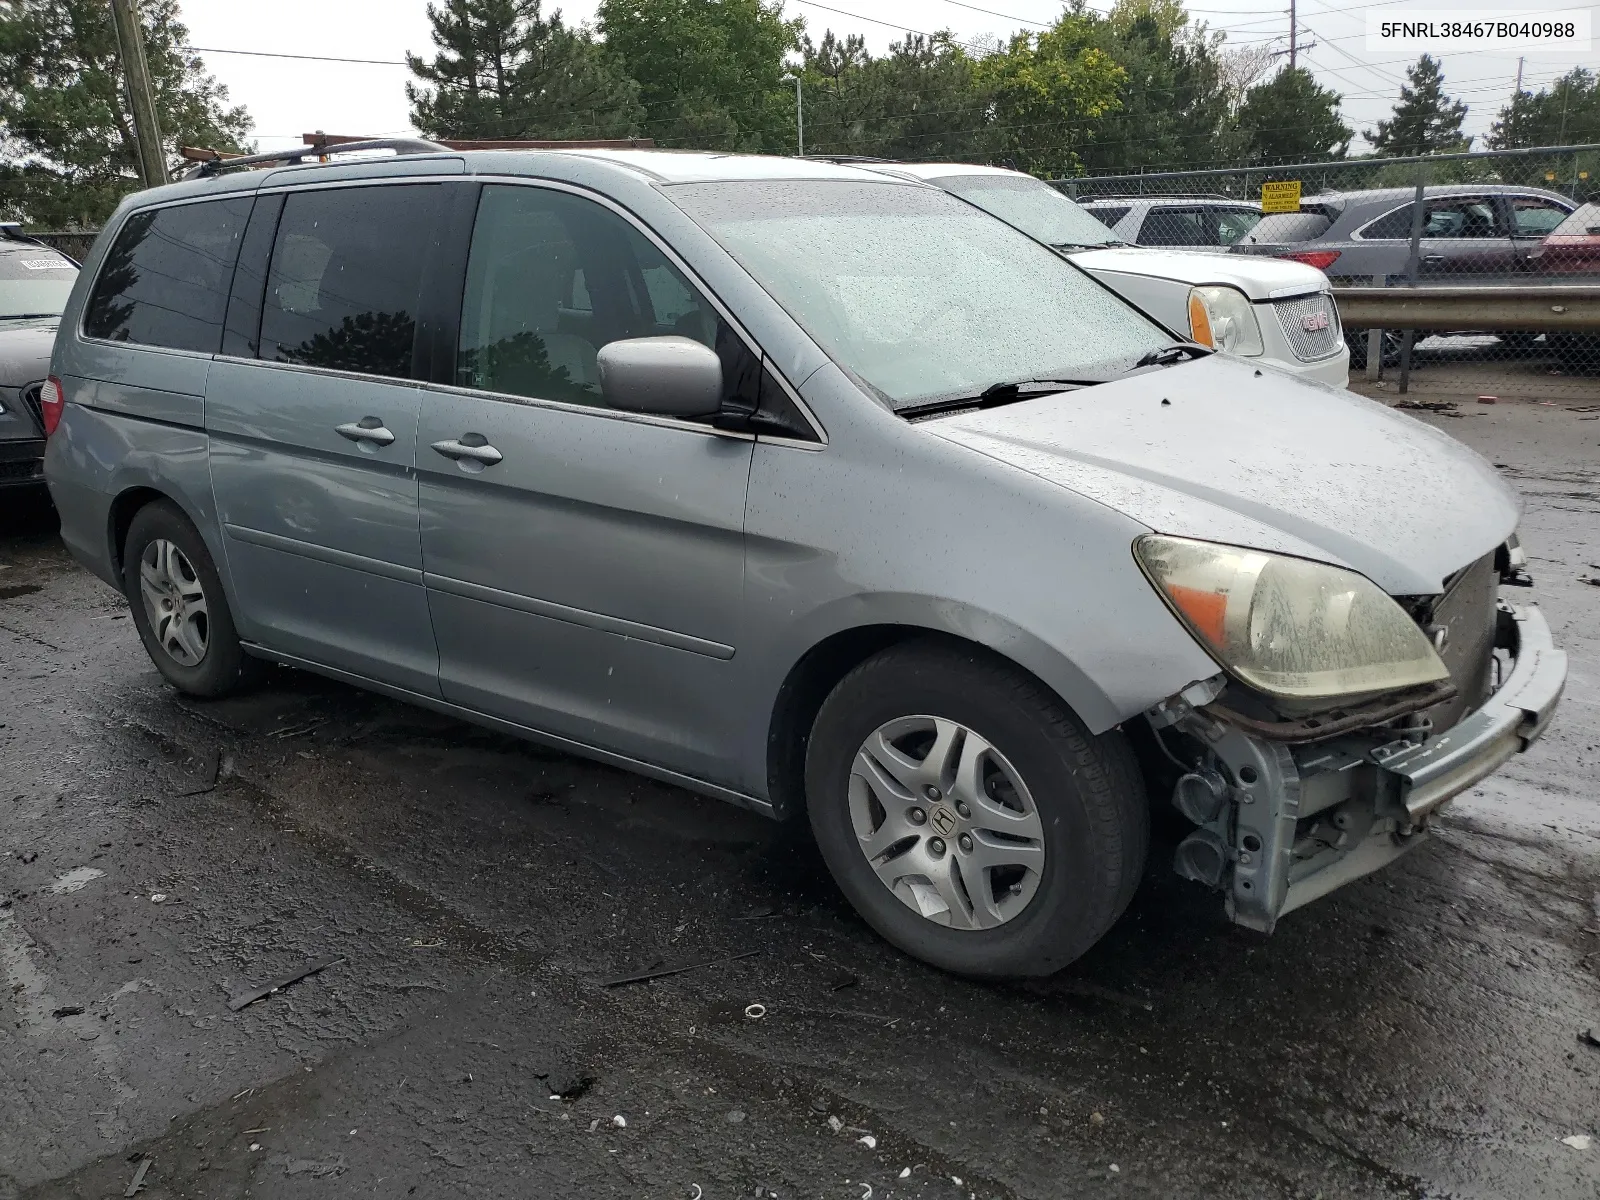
(1532, 219)
(1465, 240)
(584, 566)
(313, 441)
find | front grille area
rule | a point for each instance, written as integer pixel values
(33, 402)
(1467, 611)
(1314, 310)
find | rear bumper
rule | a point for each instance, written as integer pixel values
(21, 462)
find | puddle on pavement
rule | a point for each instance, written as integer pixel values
(75, 880)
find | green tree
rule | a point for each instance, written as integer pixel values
(1426, 120)
(1565, 113)
(1047, 91)
(1175, 98)
(1292, 118)
(922, 100)
(502, 70)
(67, 147)
(710, 72)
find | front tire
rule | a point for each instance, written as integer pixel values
(967, 814)
(178, 604)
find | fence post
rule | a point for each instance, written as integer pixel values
(1375, 340)
(1413, 264)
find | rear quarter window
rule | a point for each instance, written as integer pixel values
(165, 280)
(1110, 214)
(1276, 228)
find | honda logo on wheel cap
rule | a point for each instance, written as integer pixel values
(943, 821)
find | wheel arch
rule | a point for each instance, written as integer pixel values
(815, 673)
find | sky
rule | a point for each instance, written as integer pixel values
(288, 97)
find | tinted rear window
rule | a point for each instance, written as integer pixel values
(165, 281)
(1276, 228)
(346, 277)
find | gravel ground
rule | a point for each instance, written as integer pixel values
(1417, 1034)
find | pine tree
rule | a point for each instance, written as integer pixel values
(67, 147)
(1291, 118)
(1425, 121)
(501, 70)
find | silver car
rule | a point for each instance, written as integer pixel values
(805, 487)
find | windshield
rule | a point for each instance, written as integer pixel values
(916, 292)
(1032, 205)
(34, 281)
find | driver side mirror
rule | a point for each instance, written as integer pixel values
(664, 376)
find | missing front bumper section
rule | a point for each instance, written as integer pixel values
(1282, 824)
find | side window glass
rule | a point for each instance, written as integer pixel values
(1535, 217)
(551, 278)
(1233, 224)
(165, 280)
(1460, 217)
(1110, 214)
(1396, 224)
(346, 278)
(1174, 227)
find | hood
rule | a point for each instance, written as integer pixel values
(1254, 457)
(25, 350)
(1258, 278)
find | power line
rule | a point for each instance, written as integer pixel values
(991, 12)
(886, 24)
(373, 62)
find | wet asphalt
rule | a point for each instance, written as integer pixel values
(1421, 1033)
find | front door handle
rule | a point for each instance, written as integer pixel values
(1433, 258)
(472, 446)
(368, 429)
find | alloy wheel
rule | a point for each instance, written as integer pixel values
(174, 602)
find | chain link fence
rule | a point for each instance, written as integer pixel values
(1499, 252)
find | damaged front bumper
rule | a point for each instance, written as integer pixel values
(1283, 824)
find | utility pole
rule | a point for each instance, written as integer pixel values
(1518, 90)
(1294, 31)
(141, 96)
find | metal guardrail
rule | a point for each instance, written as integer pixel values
(1564, 308)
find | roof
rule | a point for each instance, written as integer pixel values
(1361, 195)
(942, 170)
(701, 166)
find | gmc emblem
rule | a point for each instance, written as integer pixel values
(1314, 322)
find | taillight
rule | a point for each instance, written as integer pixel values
(1320, 259)
(52, 399)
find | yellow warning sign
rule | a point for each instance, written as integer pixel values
(1281, 197)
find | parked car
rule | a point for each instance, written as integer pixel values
(1572, 247)
(1283, 314)
(807, 487)
(34, 284)
(1471, 234)
(1177, 222)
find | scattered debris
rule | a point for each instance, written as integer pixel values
(29, 856)
(255, 1146)
(421, 944)
(317, 1168)
(138, 1178)
(158, 898)
(867, 1140)
(566, 1083)
(839, 982)
(75, 880)
(1115, 1170)
(1578, 1141)
(735, 1117)
(261, 993)
(594, 1124)
(620, 1121)
(755, 1011)
(69, 1010)
(758, 914)
(1589, 1038)
(210, 771)
(1096, 1119)
(661, 972)
(956, 1179)
(697, 1192)
(1433, 406)
(835, 1124)
(818, 1104)
(1488, 399)
(905, 1172)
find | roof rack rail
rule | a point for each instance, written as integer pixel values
(213, 162)
(848, 158)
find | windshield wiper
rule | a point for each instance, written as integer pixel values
(1085, 245)
(1168, 355)
(996, 394)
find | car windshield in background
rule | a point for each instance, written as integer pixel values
(34, 283)
(918, 293)
(1033, 206)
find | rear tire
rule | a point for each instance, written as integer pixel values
(178, 604)
(945, 764)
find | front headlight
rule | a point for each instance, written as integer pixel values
(1291, 628)
(1222, 318)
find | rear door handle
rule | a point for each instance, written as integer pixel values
(368, 429)
(482, 452)
(1433, 258)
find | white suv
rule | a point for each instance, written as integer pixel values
(1271, 310)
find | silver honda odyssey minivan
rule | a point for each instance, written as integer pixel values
(809, 488)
